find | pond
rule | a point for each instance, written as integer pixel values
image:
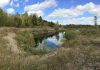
(50, 41)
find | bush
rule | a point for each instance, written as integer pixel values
(26, 40)
(70, 35)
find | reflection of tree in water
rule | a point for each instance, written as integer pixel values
(36, 42)
(57, 36)
(39, 38)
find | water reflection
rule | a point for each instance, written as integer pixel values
(49, 41)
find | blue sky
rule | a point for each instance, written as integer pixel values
(64, 11)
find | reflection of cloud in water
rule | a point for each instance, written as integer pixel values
(51, 42)
(61, 35)
(56, 41)
(42, 45)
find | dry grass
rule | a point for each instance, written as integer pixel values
(82, 53)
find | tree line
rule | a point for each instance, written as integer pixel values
(83, 26)
(23, 20)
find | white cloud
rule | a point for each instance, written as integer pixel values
(82, 20)
(40, 6)
(39, 13)
(63, 13)
(76, 21)
(77, 11)
(10, 10)
(3, 3)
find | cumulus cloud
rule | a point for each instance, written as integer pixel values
(77, 11)
(10, 10)
(3, 3)
(40, 6)
(39, 13)
(63, 13)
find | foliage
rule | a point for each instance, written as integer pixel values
(26, 40)
(85, 55)
(22, 20)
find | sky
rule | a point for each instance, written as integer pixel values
(63, 11)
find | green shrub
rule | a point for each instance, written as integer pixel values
(26, 40)
(88, 32)
(70, 35)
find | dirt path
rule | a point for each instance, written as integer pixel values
(11, 42)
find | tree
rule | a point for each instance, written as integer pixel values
(23, 20)
(10, 21)
(95, 20)
(3, 17)
(34, 19)
(40, 21)
(18, 21)
(51, 24)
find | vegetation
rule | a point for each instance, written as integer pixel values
(28, 43)
(95, 20)
(80, 51)
(78, 54)
(70, 35)
(26, 40)
(88, 32)
(23, 20)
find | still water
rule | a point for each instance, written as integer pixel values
(51, 42)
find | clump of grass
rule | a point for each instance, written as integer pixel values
(26, 40)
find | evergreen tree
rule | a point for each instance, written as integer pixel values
(95, 20)
(34, 19)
